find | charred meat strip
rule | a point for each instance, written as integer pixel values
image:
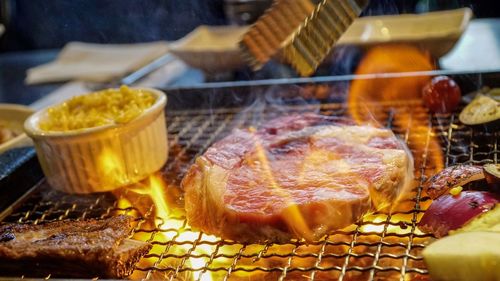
(78, 249)
(450, 177)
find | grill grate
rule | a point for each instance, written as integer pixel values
(381, 246)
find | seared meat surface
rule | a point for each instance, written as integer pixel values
(296, 177)
(89, 248)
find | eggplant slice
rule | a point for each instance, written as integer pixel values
(492, 174)
(483, 110)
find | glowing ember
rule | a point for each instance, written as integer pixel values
(111, 168)
(171, 229)
(375, 225)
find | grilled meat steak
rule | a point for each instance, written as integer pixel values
(90, 248)
(299, 176)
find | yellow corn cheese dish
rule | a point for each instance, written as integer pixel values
(107, 107)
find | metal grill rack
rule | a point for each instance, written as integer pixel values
(381, 247)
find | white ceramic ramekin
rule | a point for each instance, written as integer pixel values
(106, 157)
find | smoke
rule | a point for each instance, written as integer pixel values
(277, 100)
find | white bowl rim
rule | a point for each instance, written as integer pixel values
(33, 131)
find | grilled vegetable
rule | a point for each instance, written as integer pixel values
(492, 174)
(458, 175)
(489, 221)
(483, 110)
(450, 212)
(441, 94)
(494, 93)
(467, 256)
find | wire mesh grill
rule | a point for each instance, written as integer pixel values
(380, 247)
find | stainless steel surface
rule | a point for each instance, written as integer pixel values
(388, 247)
(133, 77)
(147, 69)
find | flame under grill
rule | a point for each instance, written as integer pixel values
(381, 246)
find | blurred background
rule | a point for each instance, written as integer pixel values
(51, 24)
(36, 31)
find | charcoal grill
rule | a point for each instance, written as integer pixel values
(380, 247)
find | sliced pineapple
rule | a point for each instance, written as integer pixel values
(464, 256)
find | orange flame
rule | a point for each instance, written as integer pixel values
(170, 227)
(111, 169)
(366, 95)
(154, 188)
(291, 214)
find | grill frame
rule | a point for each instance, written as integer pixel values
(188, 128)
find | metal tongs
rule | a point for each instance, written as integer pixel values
(300, 32)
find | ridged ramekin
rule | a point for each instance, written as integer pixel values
(106, 157)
